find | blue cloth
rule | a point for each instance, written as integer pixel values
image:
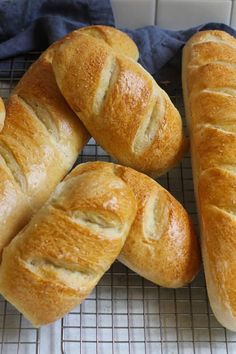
(27, 25)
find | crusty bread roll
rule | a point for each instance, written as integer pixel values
(161, 245)
(209, 82)
(58, 258)
(2, 113)
(41, 138)
(120, 104)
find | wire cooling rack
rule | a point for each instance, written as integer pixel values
(125, 314)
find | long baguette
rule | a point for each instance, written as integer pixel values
(209, 85)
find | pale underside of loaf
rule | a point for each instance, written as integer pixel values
(120, 104)
(209, 83)
(58, 258)
(2, 113)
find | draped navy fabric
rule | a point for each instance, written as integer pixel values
(27, 25)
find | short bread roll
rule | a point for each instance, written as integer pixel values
(162, 245)
(119, 103)
(58, 258)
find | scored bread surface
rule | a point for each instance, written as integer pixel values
(39, 143)
(58, 258)
(120, 104)
(161, 245)
(41, 137)
(209, 82)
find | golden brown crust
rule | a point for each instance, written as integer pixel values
(39, 143)
(39, 90)
(41, 138)
(117, 40)
(119, 103)
(15, 210)
(57, 259)
(209, 81)
(161, 245)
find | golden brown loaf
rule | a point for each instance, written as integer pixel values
(58, 258)
(41, 139)
(2, 113)
(120, 104)
(209, 82)
(39, 143)
(161, 245)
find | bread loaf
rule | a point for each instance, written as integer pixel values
(209, 82)
(58, 258)
(39, 143)
(2, 113)
(161, 245)
(41, 138)
(120, 104)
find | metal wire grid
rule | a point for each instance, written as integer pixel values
(125, 314)
(17, 336)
